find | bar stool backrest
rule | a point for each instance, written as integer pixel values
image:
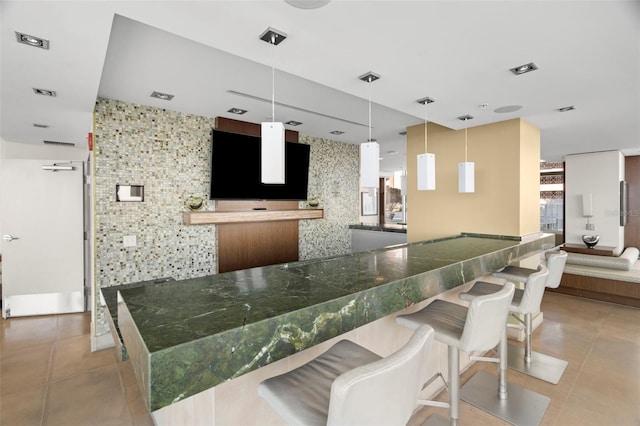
(384, 392)
(555, 264)
(533, 291)
(486, 320)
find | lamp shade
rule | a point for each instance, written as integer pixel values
(587, 205)
(369, 165)
(272, 153)
(466, 177)
(426, 172)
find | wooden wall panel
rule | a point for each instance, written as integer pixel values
(253, 129)
(247, 245)
(613, 291)
(632, 176)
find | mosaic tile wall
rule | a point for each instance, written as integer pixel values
(333, 177)
(168, 152)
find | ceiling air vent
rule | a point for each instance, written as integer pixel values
(59, 143)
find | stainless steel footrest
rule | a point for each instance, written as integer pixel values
(543, 367)
(522, 406)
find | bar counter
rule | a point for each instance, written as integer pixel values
(184, 337)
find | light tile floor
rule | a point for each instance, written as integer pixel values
(49, 376)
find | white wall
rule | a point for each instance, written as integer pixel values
(26, 151)
(14, 150)
(598, 174)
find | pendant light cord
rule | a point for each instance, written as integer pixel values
(425, 127)
(273, 94)
(465, 141)
(369, 111)
(273, 80)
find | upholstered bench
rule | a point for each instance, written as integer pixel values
(605, 278)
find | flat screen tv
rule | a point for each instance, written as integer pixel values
(235, 170)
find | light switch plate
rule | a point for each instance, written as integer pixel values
(129, 240)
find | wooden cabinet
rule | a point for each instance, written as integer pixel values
(251, 238)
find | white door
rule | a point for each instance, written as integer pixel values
(42, 241)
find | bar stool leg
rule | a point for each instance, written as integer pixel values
(502, 367)
(535, 364)
(454, 384)
(521, 407)
(528, 329)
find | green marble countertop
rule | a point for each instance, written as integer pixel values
(389, 227)
(110, 297)
(200, 332)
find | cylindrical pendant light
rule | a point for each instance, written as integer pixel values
(426, 175)
(369, 151)
(272, 158)
(466, 170)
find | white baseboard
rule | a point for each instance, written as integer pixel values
(103, 341)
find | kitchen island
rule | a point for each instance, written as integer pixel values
(189, 341)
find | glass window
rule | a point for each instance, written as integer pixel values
(394, 201)
(552, 199)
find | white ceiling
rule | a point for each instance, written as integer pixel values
(456, 52)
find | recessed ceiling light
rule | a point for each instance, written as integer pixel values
(44, 92)
(239, 111)
(465, 117)
(567, 108)
(403, 133)
(425, 101)
(372, 140)
(293, 123)
(369, 77)
(392, 152)
(336, 132)
(523, 69)
(273, 36)
(307, 4)
(163, 96)
(507, 108)
(41, 126)
(32, 40)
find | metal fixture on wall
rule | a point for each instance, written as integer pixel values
(272, 133)
(369, 151)
(58, 168)
(624, 202)
(466, 170)
(427, 161)
(587, 210)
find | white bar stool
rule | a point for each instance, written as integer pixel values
(523, 407)
(525, 360)
(350, 385)
(479, 327)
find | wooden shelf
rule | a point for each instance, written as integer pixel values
(583, 249)
(207, 218)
